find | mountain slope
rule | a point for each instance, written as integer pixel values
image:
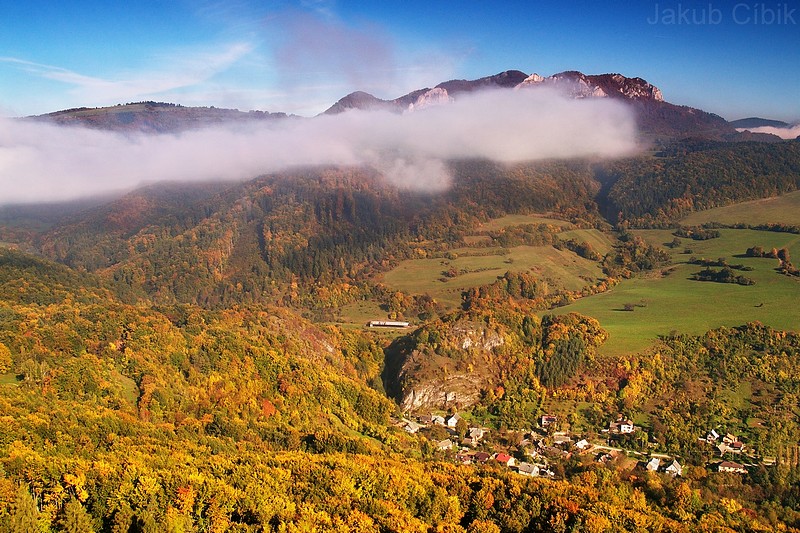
(658, 120)
(756, 122)
(247, 241)
(153, 117)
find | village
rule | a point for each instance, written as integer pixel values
(543, 451)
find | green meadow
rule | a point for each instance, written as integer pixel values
(520, 220)
(359, 313)
(663, 302)
(779, 210)
(674, 303)
(481, 266)
(600, 241)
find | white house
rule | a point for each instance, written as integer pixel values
(446, 444)
(528, 469)
(674, 469)
(622, 425)
(546, 420)
(452, 420)
(730, 466)
(411, 426)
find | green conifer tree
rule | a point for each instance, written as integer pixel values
(25, 515)
(75, 519)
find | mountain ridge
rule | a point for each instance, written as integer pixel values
(152, 117)
(658, 119)
(758, 122)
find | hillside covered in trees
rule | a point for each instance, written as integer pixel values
(176, 418)
(169, 361)
(317, 237)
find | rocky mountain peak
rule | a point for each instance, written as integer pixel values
(579, 85)
(356, 100)
(532, 79)
(631, 88)
(432, 97)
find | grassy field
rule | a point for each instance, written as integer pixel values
(130, 391)
(8, 379)
(782, 209)
(600, 241)
(662, 303)
(481, 266)
(520, 220)
(560, 268)
(360, 312)
(676, 303)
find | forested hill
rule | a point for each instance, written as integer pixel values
(697, 175)
(282, 237)
(251, 419)
(153, 117)
(317, 226)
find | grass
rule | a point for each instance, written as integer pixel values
(662, 304)
(130, 391)
(781, 209)
(738, 398)
(560, 268)
(676, 303)
(520, 220)
(483, 265)
(360, 312)
(600, 241)
(8, 379)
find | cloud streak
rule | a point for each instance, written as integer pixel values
(42, 162)
(178, 71)
(792, 132)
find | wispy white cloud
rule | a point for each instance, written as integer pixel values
(792, 132)
(43, 162)
(322, 7)
(180, 69)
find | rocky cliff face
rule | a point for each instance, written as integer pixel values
(460, 389)
(572, 83)
(454, 375)
(504, 80)
(432, 97)
(578, 85)
(658, 120)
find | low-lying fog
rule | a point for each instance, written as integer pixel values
(43, 162)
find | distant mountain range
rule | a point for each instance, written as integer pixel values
(756, 122)
(153, 117)
(572, 83)
(658, 119)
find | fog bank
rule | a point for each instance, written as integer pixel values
(792, 132)
(42, 162)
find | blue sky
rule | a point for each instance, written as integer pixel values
(736, 59)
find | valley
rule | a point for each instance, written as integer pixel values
(196, 356)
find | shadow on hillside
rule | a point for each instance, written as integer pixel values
(394, 357)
